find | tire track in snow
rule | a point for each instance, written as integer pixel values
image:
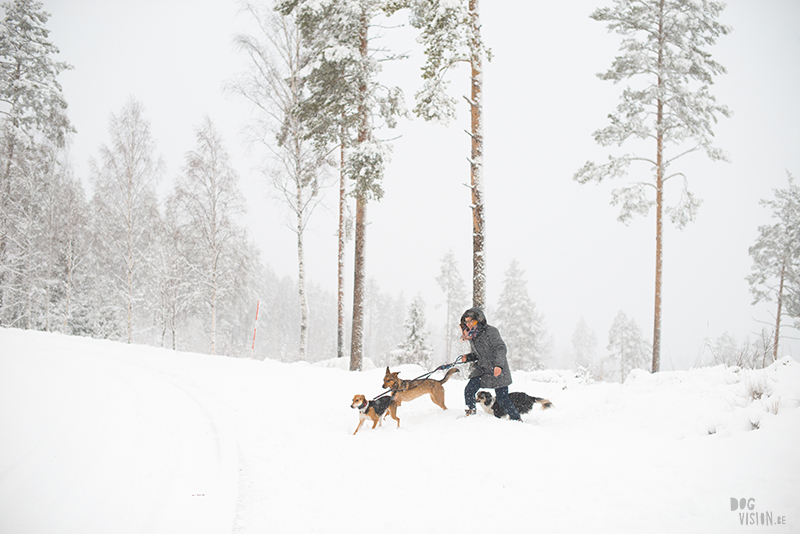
(122, 447)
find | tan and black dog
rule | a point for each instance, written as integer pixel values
(406, 390)
(376, 410)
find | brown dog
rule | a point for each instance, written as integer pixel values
(406, 390)
(375, 409)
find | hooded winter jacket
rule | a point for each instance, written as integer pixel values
(488, 351)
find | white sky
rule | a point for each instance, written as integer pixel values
(542, 103)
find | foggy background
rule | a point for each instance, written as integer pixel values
(542, 102)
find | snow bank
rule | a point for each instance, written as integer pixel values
(99, 437)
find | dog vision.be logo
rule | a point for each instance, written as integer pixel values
(748, 515)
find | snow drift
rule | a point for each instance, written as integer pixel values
(99, 437)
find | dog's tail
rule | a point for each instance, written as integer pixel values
(544, 402)
(449, 374)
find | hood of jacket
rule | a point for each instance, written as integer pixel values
(474, 313)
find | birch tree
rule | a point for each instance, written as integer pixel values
(176, 288)
(274, 86)
(207, 203)
(125, 209)
(663, 50)
(346, 104)
(776, 258)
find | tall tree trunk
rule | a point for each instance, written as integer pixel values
(476, 161)
(357, 340)
(659, 258)
(301, 262)
(340, 267)
(301, 279)
(659, 204)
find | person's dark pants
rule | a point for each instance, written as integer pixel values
(501, 397)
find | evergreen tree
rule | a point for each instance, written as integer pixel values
(415, 348)
(452, 284)
(662, 48)
(74, 250)
(627, 346)
(521, 326)
(776, 257)
(450, 31)
(383, 320)
(63, 243)
(33, 127)
(344, 101)
(584, 345)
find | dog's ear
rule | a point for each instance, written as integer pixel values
(387, 370)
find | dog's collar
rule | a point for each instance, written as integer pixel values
(363, 407)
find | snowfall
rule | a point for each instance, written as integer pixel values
(103, 437)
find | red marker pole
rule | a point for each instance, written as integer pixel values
(255, 327)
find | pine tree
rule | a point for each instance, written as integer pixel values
(776, 257)
(344, 100)
(63, 241)
(33, 124)
(415, 347)
(74, 251)
(450, 31)
(521, 326)
(452, 284)
(383, 321)
(627, 346)
(662, 48)
(584, 345)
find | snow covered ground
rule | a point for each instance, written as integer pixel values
(101, 437)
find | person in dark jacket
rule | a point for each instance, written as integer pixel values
(491, 371)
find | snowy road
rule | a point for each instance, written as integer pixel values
(99, 443)
(100, 437)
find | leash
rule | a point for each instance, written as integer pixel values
(442, 367)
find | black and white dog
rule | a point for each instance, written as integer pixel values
(522, 401)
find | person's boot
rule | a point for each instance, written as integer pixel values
(469, 411)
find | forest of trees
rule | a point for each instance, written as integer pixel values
(182, 272)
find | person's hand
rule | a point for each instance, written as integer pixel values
(464, 358)
(497, 371)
